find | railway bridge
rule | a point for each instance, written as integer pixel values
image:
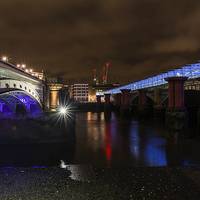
(169, 94)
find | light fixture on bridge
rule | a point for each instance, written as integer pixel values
(5, 58)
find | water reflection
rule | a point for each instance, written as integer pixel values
(112, 143)
(107, 143)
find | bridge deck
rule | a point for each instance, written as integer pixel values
(11, 71)
(190, 71)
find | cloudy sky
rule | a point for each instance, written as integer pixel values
(71, 38)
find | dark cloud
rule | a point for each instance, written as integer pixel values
(70, 38)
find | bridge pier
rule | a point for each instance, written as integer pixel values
(143, 109)
(118, 103)
(107, 107)
(125, 108)
(159, 109)
(176, 116)
(99, 105)
(198, 115)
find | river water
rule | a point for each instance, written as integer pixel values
(107, 143)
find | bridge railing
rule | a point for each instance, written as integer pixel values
(190, 71)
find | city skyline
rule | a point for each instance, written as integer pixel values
(69, 39)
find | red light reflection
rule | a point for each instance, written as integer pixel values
(108, 145)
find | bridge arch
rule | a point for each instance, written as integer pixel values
(135, 99)
(18, 97)
(191, 97)
(7, 84)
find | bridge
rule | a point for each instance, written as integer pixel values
(191, 71)
(170, 96)
(25, 101)
(155, 89)
(22, 92)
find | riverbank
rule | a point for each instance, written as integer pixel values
(116, 183)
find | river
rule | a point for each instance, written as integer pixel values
(108, 144)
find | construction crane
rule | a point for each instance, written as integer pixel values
(105, 75)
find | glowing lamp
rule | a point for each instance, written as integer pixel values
(4, 58)
(63, 110)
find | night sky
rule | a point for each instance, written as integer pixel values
(70, 38)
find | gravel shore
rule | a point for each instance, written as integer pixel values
(121, 183)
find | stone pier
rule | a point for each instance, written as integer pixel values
(125, 108)
(159, 109)
(99, 104)
(176, 116)
(107, 107)
(118, 103)
(198, 116)
(143, 110)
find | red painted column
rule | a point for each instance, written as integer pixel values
(176, 92)
(125, 97)
(98, 99)
(107, 99)
(142, 97)
(118, 99)
(171, 89)
(179, 94)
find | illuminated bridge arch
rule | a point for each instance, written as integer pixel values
(14, 92)
(13, 98)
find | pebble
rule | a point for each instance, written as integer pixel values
(55, 183)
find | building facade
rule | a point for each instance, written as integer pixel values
(55, 92)
(79, 92)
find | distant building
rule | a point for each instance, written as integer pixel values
(56, 93)
(79, 92)
(99, 89)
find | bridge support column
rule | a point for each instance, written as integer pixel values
(107, 107)
(98, 99)
(142, 110)
(118, 103)
(159, 109)
(198, 116)
(125, 108)
(99, 106)
(176, 116)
